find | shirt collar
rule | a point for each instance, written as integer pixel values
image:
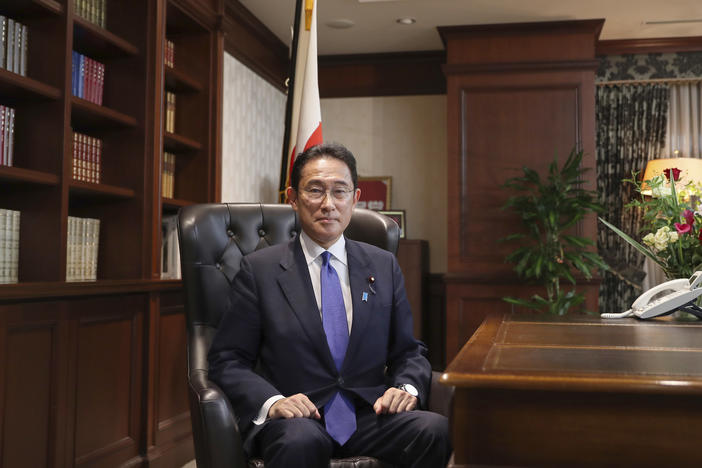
(312, 250)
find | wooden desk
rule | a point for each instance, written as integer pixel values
(578, 391)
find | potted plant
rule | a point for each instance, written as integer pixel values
(548, 251)
(671, 221)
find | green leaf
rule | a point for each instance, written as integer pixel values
(512, 237)
(633, 243)
(578, 241)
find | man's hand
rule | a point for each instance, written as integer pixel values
(296, 406)
(394, 401)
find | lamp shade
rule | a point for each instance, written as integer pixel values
(690, 171)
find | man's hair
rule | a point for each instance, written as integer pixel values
(329, 150)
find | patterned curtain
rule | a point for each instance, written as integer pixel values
(631, 126)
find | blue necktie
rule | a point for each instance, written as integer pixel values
(339, 412)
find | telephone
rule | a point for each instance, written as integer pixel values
(681, 295)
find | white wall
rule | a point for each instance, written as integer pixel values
(403, 137)
(253, 123)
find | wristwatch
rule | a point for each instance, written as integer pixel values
(409, 388)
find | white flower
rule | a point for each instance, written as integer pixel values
(648, 239)
(672, 236)
(663, 237)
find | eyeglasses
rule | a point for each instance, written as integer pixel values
(317, 193)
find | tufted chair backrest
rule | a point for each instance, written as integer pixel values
(214, 238)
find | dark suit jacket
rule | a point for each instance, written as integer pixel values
(274, 320)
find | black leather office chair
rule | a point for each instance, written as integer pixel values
(213, 239)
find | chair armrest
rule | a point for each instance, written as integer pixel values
(215, 431)
(440, 396)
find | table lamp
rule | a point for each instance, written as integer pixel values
(691, 171)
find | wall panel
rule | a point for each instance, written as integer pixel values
(108, 364)
(517, 95)
(29, 387)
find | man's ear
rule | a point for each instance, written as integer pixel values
(291, 194)
(356, 196)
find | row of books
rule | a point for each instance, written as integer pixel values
(88, 78)
(82, 252)
(87, 158)
(170, 111)
(91, 10)
(7, 135)
(169, 54)
(14, 39)
(170, 255)
(9, 245)
(168, 175)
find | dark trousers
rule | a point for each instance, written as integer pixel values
(411, 439)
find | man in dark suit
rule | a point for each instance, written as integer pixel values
(327, 320)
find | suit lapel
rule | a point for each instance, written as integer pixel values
(359, 272)
(297, 287)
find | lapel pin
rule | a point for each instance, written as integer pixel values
(364, 298)
(371, 281)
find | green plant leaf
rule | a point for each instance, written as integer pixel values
(633, 243)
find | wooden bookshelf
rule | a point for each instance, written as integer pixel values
(87, 189)
(14, 88)
(179, 144)
(95, 41)
(179, 81)
(23, 9)
(100, 362)
(174, 204)
(17, 175)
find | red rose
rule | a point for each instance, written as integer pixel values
(676, 173)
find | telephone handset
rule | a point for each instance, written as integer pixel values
(681, 295)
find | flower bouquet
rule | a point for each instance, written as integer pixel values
(672, 224)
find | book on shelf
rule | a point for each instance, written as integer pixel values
(14, 40)
(87, 78)
(169, 54)
(93, 11)
(170, 253)
(7, 135)
(9, 246)
(170, 111)
(82, 249)
(168, 175)
(87, 158)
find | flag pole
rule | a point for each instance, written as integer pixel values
(289, 104)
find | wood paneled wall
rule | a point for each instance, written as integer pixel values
(517, 96)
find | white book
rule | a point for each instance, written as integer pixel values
(71, 251)
(172, 260)
(24, 46)
(103, 13)
(3, 40)
(3, 246)
(74, 251)
(6, 135)
(18, 47)
(2, 136)
(14, 257)
(7, 264)
(83, 246)
(10, 124)
(94, 249)
(10, 44)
